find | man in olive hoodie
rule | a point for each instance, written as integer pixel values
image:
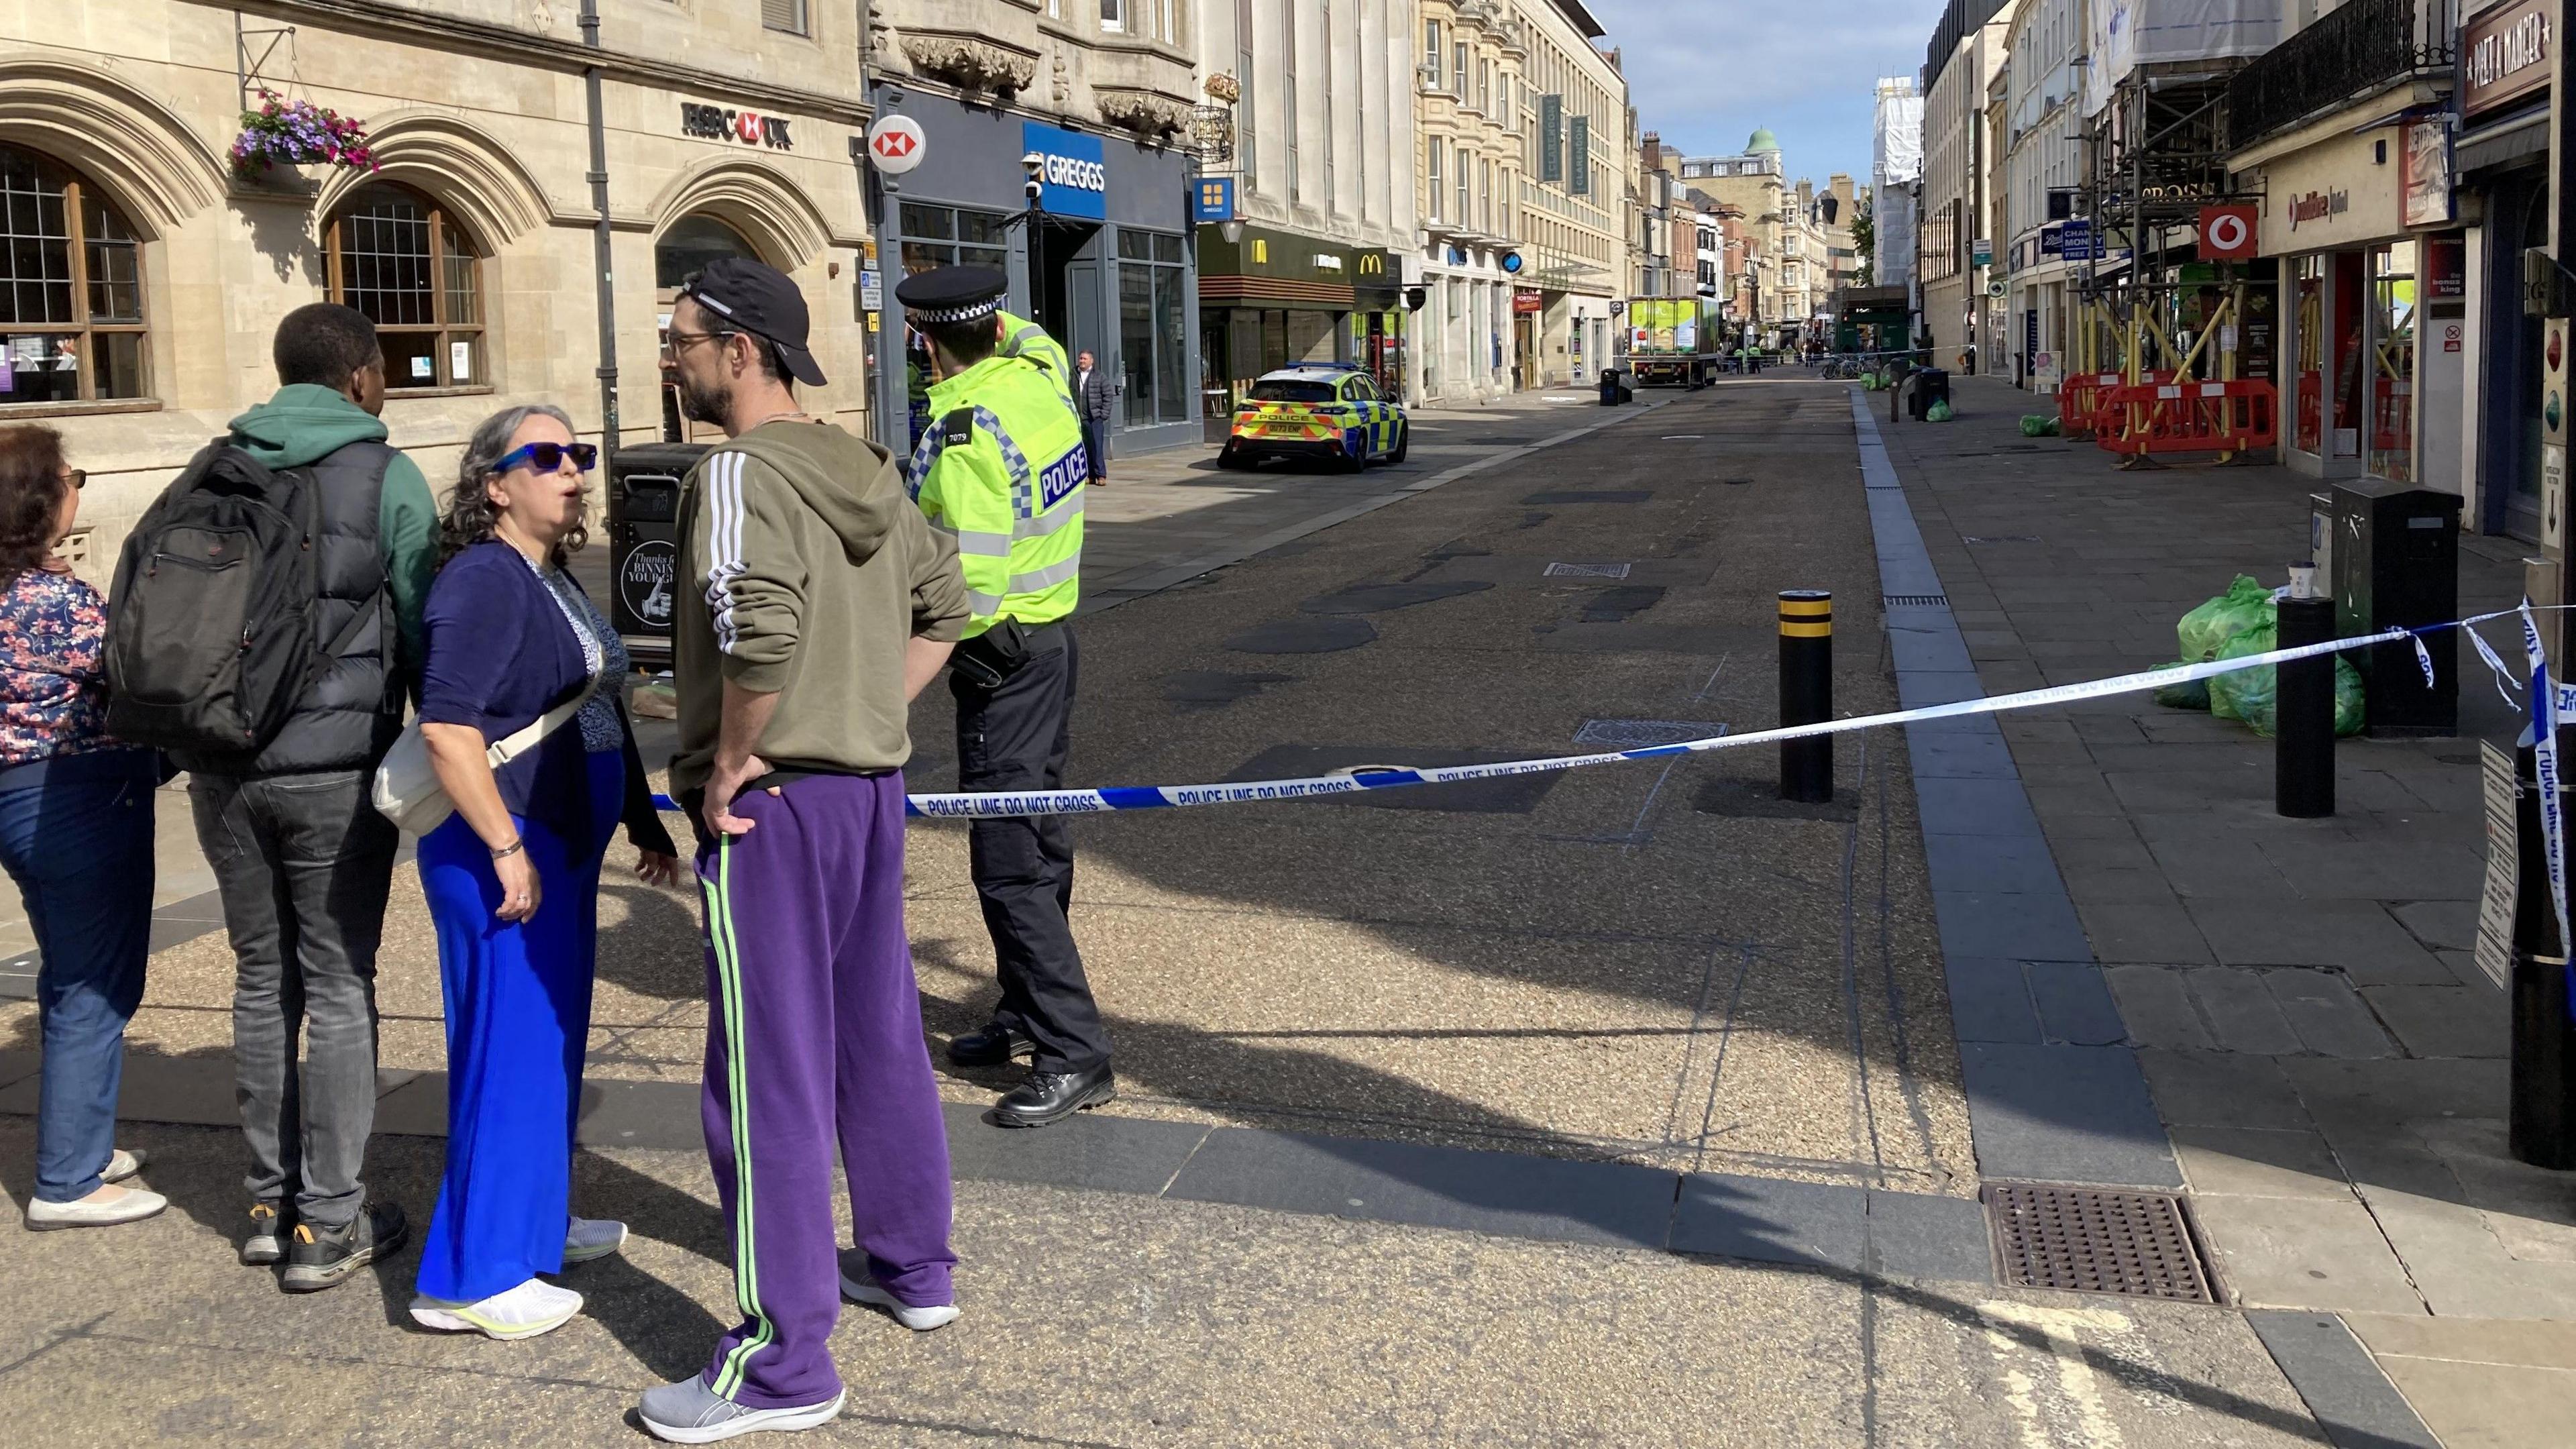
(816, 601)
(301, 856)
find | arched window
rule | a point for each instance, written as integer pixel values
(692, 242)
(71, 289)
(679, 253)
(399, 258)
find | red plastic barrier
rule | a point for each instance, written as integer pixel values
(2392, 417)
(2083, 407)
(2190, 417)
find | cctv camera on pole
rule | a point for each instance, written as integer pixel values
(1034, 163)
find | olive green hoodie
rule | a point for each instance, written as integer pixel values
(805, 571)
(305, 423)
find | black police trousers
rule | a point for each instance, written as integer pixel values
(1014, 737)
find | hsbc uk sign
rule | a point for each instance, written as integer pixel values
(715, 123)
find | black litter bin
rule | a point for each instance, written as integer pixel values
(1931, 385)
(1611, 391)
(643, 543)
(2396, 564)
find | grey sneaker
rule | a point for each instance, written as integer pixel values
(266, 1241)
(689, 1412)
(319, 1258)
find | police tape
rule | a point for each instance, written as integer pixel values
(1357, 780)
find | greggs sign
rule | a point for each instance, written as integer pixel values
(715, 123)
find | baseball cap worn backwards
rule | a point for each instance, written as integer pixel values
(747, 296)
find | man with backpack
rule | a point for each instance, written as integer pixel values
(266, 632)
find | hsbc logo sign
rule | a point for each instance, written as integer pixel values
(715, 123)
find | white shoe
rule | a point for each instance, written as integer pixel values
(919, 1320)
(532, 1308)
(688, 1412)
(132, 1204)
(121, 1165)
(588, 1238)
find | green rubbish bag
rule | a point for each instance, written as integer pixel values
(2187, 694)
(2039, 425)
(1939, 412)
(2207, 629)
(2254, 695)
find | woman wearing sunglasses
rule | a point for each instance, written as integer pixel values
(512, 877)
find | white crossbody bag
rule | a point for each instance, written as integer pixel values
(407, 791)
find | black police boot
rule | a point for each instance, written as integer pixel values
(994, 1046)
(1053, 1096)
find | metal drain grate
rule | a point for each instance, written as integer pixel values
(1915, 601)
(2087, 1240)
(1637, 734)
(1999, 538)
(1584, 571)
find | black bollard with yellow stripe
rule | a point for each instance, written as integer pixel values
(1807, 693)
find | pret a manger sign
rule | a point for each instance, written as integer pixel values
(2504, 55)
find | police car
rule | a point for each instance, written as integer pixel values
(1326, 410)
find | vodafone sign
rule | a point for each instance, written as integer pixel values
(895, 144)
(2227, 233)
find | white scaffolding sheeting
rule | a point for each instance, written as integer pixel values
(2126, 34)
(1900, 138)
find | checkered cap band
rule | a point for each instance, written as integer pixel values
(966, 313)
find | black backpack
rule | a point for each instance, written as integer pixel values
(209, 637)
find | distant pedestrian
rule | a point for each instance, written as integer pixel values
(299, 853)
(512, 878)
(818, 603)
(76, 837)
(1095, 395)
(999, 471)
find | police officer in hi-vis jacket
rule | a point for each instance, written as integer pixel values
(1002, 468)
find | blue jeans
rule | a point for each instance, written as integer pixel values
(77, 838)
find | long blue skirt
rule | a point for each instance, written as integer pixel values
(518, 1018)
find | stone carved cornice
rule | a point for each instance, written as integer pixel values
(972, 62)
(1148, 113)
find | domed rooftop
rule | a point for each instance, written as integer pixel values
(1762, 141)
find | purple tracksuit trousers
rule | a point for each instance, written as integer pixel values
(814, 1037)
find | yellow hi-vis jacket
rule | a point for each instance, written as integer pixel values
(1002, 469)
(1026, 339)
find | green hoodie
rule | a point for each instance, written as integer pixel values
(305, 423)
(805, 572)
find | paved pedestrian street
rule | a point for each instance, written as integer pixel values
(1625, 1105)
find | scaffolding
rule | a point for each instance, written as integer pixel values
(2156, 155)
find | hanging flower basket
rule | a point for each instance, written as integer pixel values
(298, 133)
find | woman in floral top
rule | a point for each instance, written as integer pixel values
(76, 836)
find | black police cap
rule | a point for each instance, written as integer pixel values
(952, 294)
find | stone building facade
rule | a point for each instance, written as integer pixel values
(1105, 95)
(150, 277)
(1324, 190)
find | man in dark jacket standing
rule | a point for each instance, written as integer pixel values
(299, 853)
(1095, 396)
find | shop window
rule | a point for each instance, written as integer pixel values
(1152, 313)
(2392, 362)
(71, 289)
(951, 236)
(397, 257)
